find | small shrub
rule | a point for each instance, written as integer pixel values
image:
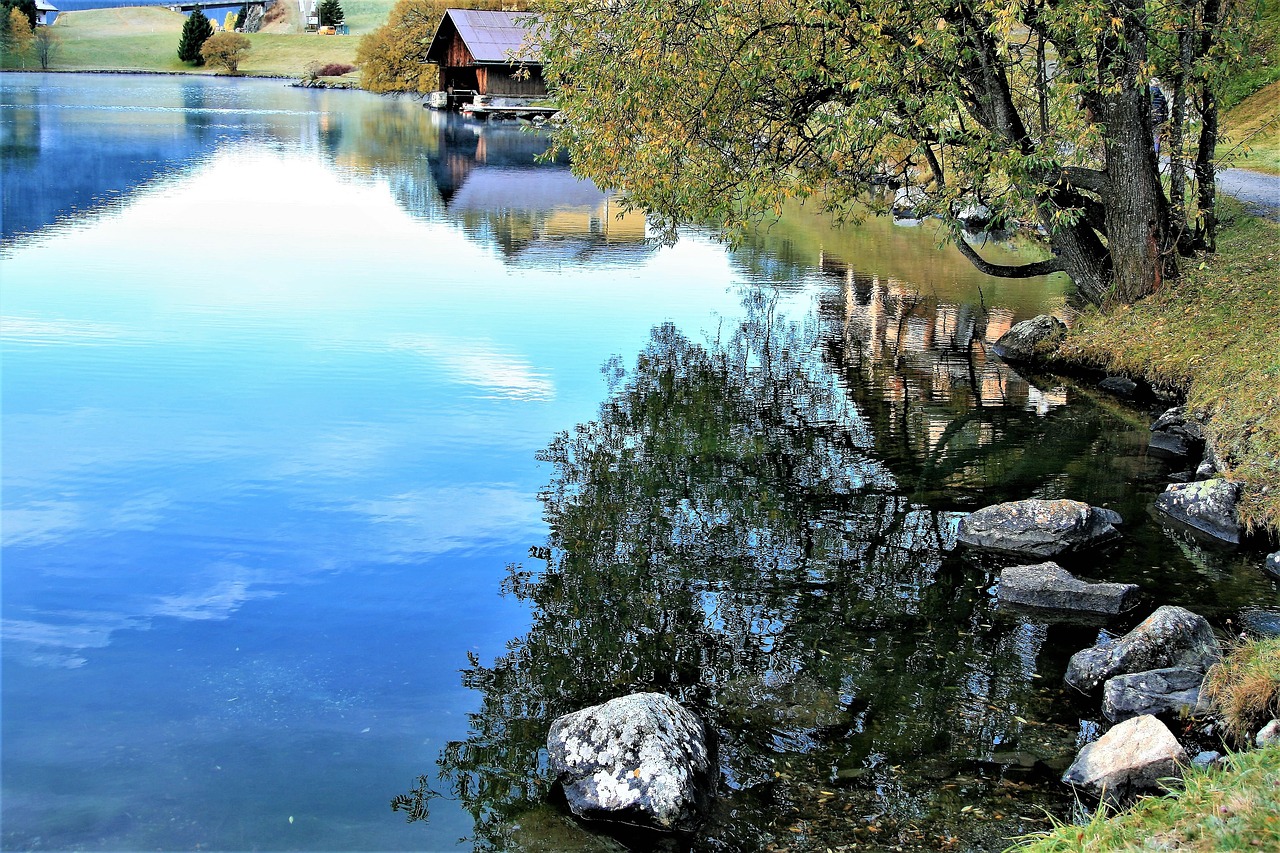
(334, 69)
(1245, 687)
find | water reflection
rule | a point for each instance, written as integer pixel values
(65, 157)
(728, 532)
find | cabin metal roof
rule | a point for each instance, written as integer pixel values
(42, 6)
(492, 37)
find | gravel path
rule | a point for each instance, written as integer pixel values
(1260, 193)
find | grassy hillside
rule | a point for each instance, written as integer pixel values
(1252, 132)
(145, 38)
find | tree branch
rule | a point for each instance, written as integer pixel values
(1000, 270)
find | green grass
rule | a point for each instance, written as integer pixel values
(1212, 336)
(1252, 132)
(146, 39)
(1235, 808)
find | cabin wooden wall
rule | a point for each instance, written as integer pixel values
(506, 81)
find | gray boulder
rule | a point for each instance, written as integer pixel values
(641, 759)
(1050, 586)
(1175, 690)
(1175, 434)
(1121, 386)
(1031, 338)
(1272, 564)
(1207, 505)
(1133, 756)
(1038, 528)
(1170, 637)
(1268, 735)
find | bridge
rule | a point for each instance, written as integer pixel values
(192, 5)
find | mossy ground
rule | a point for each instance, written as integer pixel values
(1213, 335)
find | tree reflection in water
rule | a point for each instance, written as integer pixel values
(731, 531)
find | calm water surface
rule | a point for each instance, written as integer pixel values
(313, 400)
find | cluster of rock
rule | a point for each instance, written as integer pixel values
(1199, 497)
(1155, 671)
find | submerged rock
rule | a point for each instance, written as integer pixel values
(1039, 528)
(1174, 690)
(1132, 757)
(641, 759)
(1174, 434)
(1031, 338)
(1206, 505)
(1121, 386)
(1050, 586)
(1170, 637)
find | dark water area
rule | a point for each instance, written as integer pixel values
(345, 447)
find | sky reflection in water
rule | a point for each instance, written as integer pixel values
(278, 366)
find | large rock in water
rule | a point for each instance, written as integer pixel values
(1031, 338)
(1170, 637)
(641, 759)
(1038, 528)
(1174, 434)
(1206, 505)
(1175, 690)
(1050, 586)
(1133, 756)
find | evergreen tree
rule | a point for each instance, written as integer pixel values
(331, 13)
(194, 33)
(26, 7)
(243, 15)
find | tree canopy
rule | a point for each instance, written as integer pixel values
(1039, 110)
(330, 12)
(225, 50)
(195, 32)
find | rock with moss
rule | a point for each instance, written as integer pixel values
(1268, 735)
(1173, 691)
(1132, 757)
(1032, 339)
(1176, 434)
(1047, 585)
(1170, 637)
(1038, 528)
(1206, 505)
(642, 760)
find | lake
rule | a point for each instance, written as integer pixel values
(345, 446)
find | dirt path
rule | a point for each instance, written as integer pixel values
(1260, 193)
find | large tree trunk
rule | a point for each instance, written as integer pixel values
(1136, 211)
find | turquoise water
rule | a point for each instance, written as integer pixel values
(283, 375)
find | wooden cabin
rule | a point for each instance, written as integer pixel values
(487, 53)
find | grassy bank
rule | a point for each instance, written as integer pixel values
(145, 38)
(1234, 808)
(1211, 336)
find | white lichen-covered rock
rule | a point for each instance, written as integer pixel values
(1133, 756)
(1207, 505)
(1159, 692)
(641, 759)
(1170, 637)
(1050, 586)
(1039, 528)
